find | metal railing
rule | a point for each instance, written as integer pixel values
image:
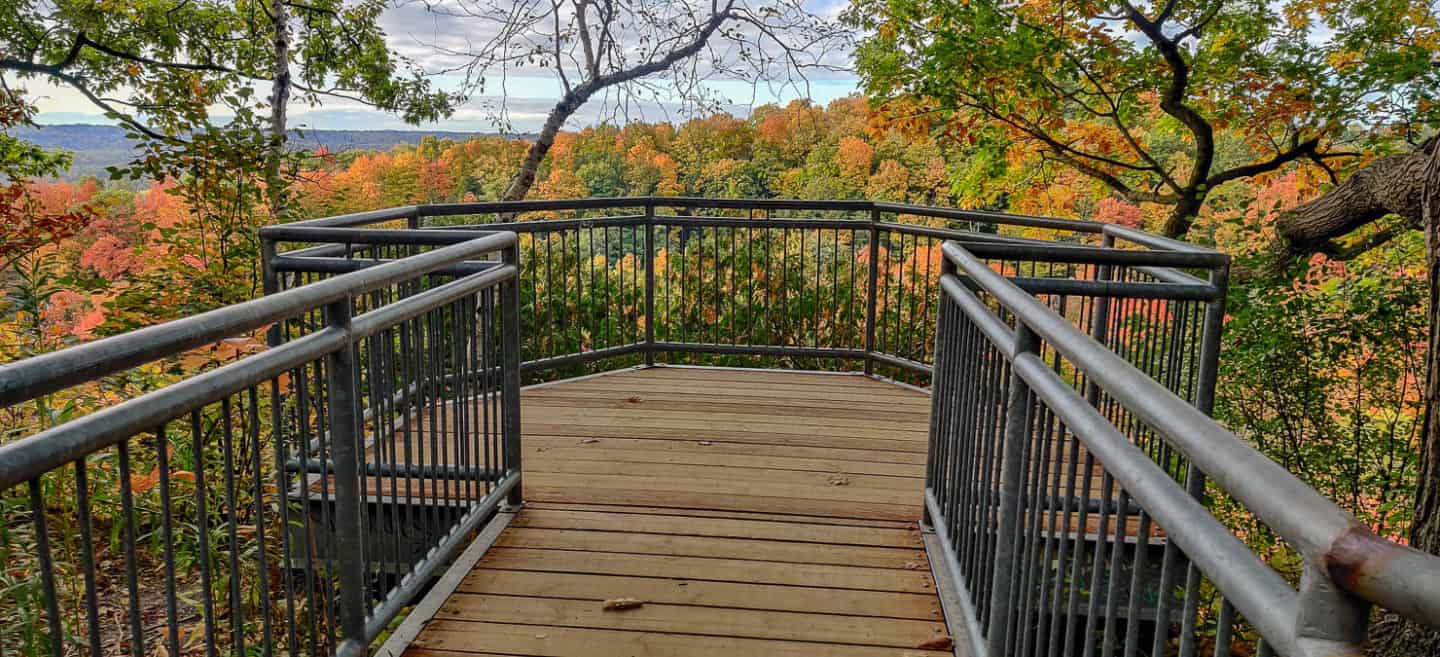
(1073, 492)
(849, 285)
(1072, 468)
(291, 501)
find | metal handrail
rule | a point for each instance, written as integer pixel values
(331, 392)
(1159, 259)
(56, 370)
(1343, 557)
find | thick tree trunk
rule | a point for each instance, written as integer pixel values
(525, 178)
(1425, 529)
(1409, 186)
(1389, 185)
(1412, 638)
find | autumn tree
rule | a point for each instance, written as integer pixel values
(1162, 101)
(182, 77)
(625, 54)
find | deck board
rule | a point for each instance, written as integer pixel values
(755, 513)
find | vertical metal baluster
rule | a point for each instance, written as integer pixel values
(202, 533)
(267, 632)
(784, 325)
(87, 556)
(819, 293)
(127, 524)
(47, 567)
(715, 275)
(449, 423)
(167, 532)
(1117, 556)
(1138, 566)
(1082, 522)
(1097, 564)
(730, 298)
(227, 451)
(834, 306)
(282, 491)
(650, 284)
(1224, 628)
(871, 283)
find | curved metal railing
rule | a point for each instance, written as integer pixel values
(811, 284)
(1073, 470)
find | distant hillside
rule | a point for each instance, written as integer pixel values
(99, 146)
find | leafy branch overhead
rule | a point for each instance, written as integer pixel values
(625, 53)
(1161, 101)
(162, 67)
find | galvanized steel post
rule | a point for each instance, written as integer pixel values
(1012, 472)
(342, 388)
(510, 372)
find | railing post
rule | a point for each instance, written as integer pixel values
(1100, 316)
(1329, 620)
(940, 410)
(510, 372)
(270, 284)
(1210, 340)
(342, 389)
(649, 283)
(1012, 469)
(871, 284)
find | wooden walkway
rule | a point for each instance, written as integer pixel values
(753, 513)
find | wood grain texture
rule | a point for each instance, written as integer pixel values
(754, 513)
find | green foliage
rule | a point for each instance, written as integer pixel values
(1325, 377)
(1160, 101)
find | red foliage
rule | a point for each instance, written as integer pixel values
(27, 225)
(1115, 211)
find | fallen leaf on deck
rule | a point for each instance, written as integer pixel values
(635, 399)
(938, 642)
(620, 604)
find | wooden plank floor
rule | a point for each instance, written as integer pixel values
(754, 513)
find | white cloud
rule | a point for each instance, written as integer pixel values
(526, 96)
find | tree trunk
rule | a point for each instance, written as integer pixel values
(1183, 215)
(1409, 186)
(525, 178)
(1412, 638)
(275, 187)
(1389, 185)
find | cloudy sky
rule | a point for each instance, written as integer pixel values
(521, 95)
